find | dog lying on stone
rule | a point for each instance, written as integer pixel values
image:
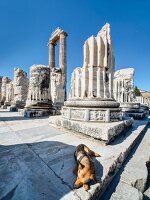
(84, 170)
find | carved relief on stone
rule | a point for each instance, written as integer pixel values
(77, 114)
(96, 115)
(115, 115)
(66, 113)
(39, 85)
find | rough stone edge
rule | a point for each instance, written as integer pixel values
(107, 135)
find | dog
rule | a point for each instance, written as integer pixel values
(84, 170)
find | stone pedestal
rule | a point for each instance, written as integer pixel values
(91, 103)
(132, 110)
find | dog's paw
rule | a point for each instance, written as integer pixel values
(86, 187)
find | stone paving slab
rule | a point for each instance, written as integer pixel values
(135, 173)
(126, 192)
(43, 159)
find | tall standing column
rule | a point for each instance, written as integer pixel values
(62, 58)
(62, 52)
(51, 55)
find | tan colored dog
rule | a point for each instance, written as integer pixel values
(85, 170)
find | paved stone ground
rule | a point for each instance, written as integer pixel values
(36, 160)
(134, 180)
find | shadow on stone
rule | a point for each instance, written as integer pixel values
(42, 170)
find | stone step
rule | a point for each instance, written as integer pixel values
(133, 180)
(113, 156)
(98, 130)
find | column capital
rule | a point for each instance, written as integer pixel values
(63, 33)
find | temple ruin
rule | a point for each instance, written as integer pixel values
(124, 93)
(58, 73)
(5, 81)
(91, 95)
(21, 83)
(39, 97)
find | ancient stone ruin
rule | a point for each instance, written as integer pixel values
(39, 96)
(20, 89)
(124, 85)
(58, 73)
(124, 93)
(5, 81)
(91, 96)
(0, 89)
(9, 93)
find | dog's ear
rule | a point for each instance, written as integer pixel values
(90, 152)
(97, 155)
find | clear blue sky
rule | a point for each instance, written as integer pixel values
(25, 27)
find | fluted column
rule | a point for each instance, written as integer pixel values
(51, 55)
(91, 81)
(98, 82)
(104, 82)
(110, 85)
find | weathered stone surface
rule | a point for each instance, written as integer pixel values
(91, 97)
(5, 81)
(21, 84)
(124, 85)
(9, 93)
(124, 93)
(39, 85)
(126, 192)
(95, 78)
(101, 131)
(136, 172)
(58, 75)
(0, 88)
(147, 194)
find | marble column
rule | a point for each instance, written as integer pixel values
(110, 85)
(118, 90)
(104, 81)
(51, 55)
(62, 52)
(90, 81)
(98, 82)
